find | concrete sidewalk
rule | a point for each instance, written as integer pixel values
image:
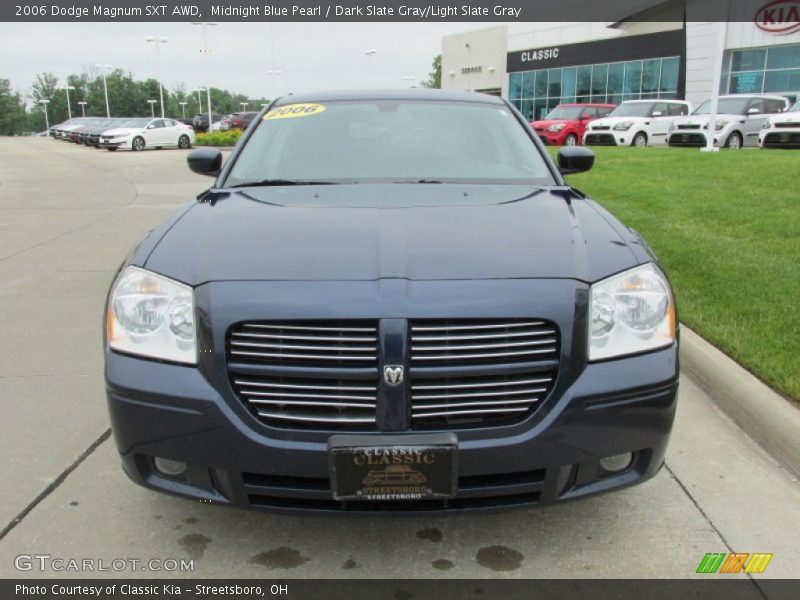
(68, 215)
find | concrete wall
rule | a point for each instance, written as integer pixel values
(484, 49)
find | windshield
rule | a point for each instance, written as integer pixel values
(632, 109)
(725, 106)
(371, 141)
(565, 112)
(795, 107)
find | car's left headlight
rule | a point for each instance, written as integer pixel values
(151, 315)
(624, 126)
(766, 124)
(631, 312)
(556, 127)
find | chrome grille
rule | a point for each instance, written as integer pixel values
(472, 373)
(601, 128)
(306, 374)
(788, 124)
(688, 126)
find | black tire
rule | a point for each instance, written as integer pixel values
(112, 149)
(734, 141)
(137, 145)
(571, 140)
(639, 140)
(184, 142)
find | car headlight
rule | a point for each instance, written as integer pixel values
(672, 127)
(556, 127)
(151, 315)
(766, 125)
(631, 312)
(624, 126)
(720, 124)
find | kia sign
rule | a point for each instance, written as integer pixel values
(779, 17)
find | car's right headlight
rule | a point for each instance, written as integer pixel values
(556, 127)
(151, 315)
(631, 312)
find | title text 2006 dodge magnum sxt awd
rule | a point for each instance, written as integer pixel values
(391, 301)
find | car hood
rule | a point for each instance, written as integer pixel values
(545, 124)
(611, 121)
(703, 119)
(411, 231)
(787, 117)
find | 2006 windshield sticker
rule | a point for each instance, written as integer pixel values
(292, 111)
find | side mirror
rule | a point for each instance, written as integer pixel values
(574, 159)
(657, 113)
(753, 111)
(205, 161)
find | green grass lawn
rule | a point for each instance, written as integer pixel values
(726, 226)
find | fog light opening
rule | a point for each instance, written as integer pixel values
(617, 462)
(169, 468)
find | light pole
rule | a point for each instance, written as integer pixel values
(152, 109)
(105, 69)
(66, 87)
(82, 104)
(158, 41)
(207, 53)
(199, 98)
(243, 105)
(183, 109)
(275, 73)
(44, 103)
(371, 52)
(410, 79)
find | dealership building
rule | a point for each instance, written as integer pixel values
(661, 54)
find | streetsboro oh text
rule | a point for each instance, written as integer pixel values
(150, 590)
(369, 10)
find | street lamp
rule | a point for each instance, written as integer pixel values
(66, 87)
(183, 108)
(158, 41)
(82, 104)
(105, 69)
(152, 109)
(207, 53)
(410, 79)
(371, 52)
(243, 105)
(199, 98)
(44, 103)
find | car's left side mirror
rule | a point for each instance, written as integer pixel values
(205, 161)
(753, 111)
(574, 159)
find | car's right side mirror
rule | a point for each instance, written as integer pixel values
(205, 161)
(574, 159)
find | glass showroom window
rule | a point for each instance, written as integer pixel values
(535, 93)
(773, 70)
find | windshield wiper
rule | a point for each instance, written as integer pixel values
(280, 182)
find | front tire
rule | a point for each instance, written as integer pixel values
(734, 141)
(137, 145)
(184, 142)
(571, 140)
(639, 140)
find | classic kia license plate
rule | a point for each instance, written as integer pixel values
(393, 472)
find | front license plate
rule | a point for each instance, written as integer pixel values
(398, 471)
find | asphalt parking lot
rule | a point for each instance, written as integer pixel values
(69, 214)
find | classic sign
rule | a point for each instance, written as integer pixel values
(779, 17)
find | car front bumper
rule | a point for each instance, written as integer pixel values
(185, 414)
(779, 138)
(609, 137)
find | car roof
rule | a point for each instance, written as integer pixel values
(770, 96)
(594, 104)
(402, 94)
(656, 100)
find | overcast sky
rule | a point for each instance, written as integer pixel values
(312, 56)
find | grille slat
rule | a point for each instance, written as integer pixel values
(475, 397)
(306, 374)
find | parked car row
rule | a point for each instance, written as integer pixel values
(742, 120)
(139, 133)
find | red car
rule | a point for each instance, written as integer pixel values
(565, 124)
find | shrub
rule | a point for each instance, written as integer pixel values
(218, 138)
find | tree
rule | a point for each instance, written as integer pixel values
(435, 76)
(12, 110)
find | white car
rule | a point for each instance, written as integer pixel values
(740, 117)
(782, 131)
(636, 123)
(138, 134)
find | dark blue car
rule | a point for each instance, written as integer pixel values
(391, 301)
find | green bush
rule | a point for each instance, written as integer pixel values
(219, 138)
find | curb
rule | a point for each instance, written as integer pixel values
(766, 416)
